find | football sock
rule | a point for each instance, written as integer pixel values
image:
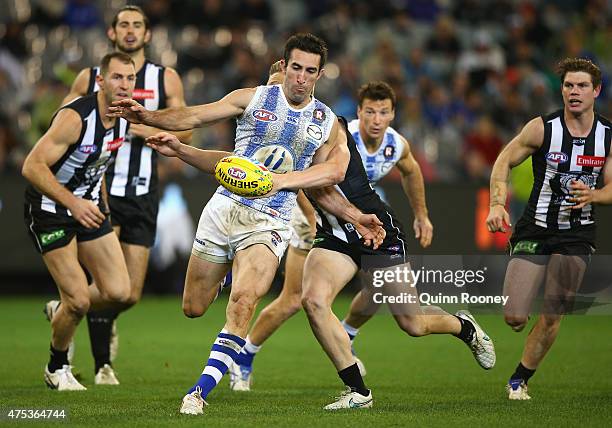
(522, 372)
(352, 378)
(225, 349)
(100, 326)
(351, 331)
(467, 330)
(246, 356)
(57, 359)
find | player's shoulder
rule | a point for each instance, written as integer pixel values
(82, 105)
(603, 120)
(353, 126)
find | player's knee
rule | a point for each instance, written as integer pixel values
(119, 296)
(292, 304)
(242, 301)
(192, 311)
(133, 298)
(313, 303)
(550, 321)
(517, 322)
(78, 306)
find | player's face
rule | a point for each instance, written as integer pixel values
(119, 81)
(375, 116)
(130, 34)
(578, 92)
(301, 74)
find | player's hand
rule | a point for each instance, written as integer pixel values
(129, 109)
(278, 184)
(164, 143)
(581, 194)
(423, 231)
(371, 230)
(498, 216)
(87, 213)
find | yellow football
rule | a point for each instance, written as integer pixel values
(243, 176)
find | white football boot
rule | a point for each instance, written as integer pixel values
(351, 400)
(481, 344)
(193, 404)
(62, 379)
(241, 377)
(517, 390)
(106, 376)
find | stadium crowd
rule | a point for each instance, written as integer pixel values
(467, 73)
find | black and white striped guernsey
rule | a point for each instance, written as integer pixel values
(134, 172)
(561, 159)
(83, 165)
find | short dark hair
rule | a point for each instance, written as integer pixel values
(132, 8)
(120, 56)
(569, 65)
(308, 43)
(376, 91)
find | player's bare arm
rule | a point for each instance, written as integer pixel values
(64, 131)
(308, 211)
(169, 145)
(414, 188)
(328, 165)
(184, 118)
(520, 148)
(174, 98)
(582, 194)
(79, 86)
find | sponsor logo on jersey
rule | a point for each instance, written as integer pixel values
(557, 157)
(275, 158)
(594, 161)
(579, 141)
(87, 148)
(389, 151)
(115, 144)
(264, 115)
(318, 115)
(315, 132)
(143, 94)
(48, 238)
(199, 241)
(349, 227)
(236, 173)
(528, 247)
(276, 238)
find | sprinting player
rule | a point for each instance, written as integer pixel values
(381, 148)
(335, 259)
(64, 211)
(131, 181)
(555, 237)
(251, 235)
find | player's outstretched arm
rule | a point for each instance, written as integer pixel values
(368, 225)
(64, 131)
(520, 148)
(328, 165)
(169, 145)
(174, 98)
(583, 194)
(414, 188)
(184, 118)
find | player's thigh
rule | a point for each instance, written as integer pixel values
(203, 277)
(294, 271)
(63, 265)
(524, 276)
(326, 272)
(136, 260)
(253, 271)
(104, 260)
(564, 276)
(394, 285)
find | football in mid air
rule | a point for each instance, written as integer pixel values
(243, 176)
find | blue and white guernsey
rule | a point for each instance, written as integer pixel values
(281, 138)
(379, 163)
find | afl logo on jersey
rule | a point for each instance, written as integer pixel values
(557, 157)
(264, 115)
(87, 148)
(276, 158)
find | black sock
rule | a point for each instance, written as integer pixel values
(57, 359)
(522, 372)
(100, 325)
(352, 378)
(467, 330)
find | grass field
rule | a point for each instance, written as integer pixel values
(431, 381)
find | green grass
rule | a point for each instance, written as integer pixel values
(431, 381)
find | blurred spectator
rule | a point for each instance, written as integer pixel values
(480, 149)
(82, 14)
(483, 58)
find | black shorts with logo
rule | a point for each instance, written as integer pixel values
(136, 216)
(536, 243)
(50, 231)
(391, 252)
